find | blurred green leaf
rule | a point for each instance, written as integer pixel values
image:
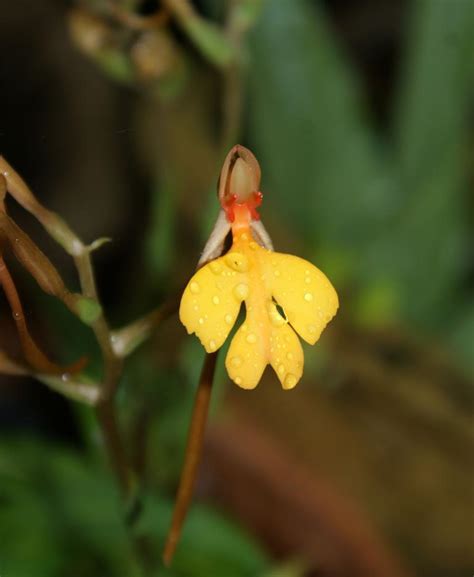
(60, 515)
(211, 546)
(319, 162)
(432, 129)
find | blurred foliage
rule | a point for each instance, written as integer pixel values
(59, 516)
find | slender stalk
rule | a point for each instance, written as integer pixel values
(126, 340)
(192, 455)
(113, 366)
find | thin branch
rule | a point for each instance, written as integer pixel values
(126, 340)
(192, 456)
(113, 364)
(208, 38)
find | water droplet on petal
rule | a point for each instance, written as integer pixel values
(290, 381)
(275, 317)
(236, 362)
(308, 297)
(228, 319)
(276, 272)
(312, 329)
(251, 338)
(238, 381)
(215, 300)
(253, 245)
(201, 321)
(307, 280)
(212, 346)
(289, 356)
(215, 267)
(194, 287)
(241, 291)
(237, 261)
(281, 369)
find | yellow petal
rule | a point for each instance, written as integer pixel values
(211, 301)
(306, 295)
(247, 356)
(286, 355)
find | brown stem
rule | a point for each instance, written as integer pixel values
(35, 357)
(192, 456)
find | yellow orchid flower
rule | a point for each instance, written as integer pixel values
(284, 295)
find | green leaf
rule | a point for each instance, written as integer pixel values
(319, 161)
(430, 239)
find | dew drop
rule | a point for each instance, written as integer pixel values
(308, 297)
(290, 381)
(237, 261)
(228, 319)
(320, 313)
(216, 300)
(307, 280)
(195, 308)
(276, 318)
(251, 338)
(201, 321)
(241, 291)
(238, 381)
(289, 356)
(236, 362)
(276, 272)
(215, 267)
(194, 287)
(212, 346)
(312, 329)
(281, 369)
(253, 245)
